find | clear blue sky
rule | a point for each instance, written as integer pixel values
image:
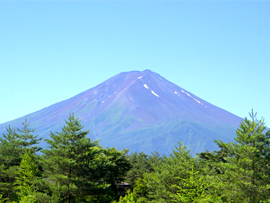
(53, 50)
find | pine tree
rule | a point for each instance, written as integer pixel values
(159, 183)
(140, 165)
(12, 147)
(72, 161)
(26, 178)
(117, 165)
(10, 158)
(247, 168)
(27, 139)
(193, 189)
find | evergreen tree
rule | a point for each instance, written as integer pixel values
(27, 178)
(12, 147)
(72, 161)
(193, 189)
(246, 171)
(140, 165)
(10, 158)
(171, 181)
(159, 183)
(117, 165)
(27, 139)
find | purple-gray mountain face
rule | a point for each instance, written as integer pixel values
(141, 111)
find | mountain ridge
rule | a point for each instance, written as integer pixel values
(141, 105)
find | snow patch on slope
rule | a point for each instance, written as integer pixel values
(186, 93)
(176, 93)
(192, 97)
(145, 85)
(154, 93)
(197, 101)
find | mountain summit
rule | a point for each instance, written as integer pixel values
(141, 111)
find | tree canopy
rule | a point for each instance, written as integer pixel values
(74, 168)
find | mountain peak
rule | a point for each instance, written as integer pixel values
(147, 71)
(142, 111)
(144, 72)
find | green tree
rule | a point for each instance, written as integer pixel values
(173, 180)
(27, 179)
(117, 165)
(73, 162)
(178, 165)
(12, 147)
(246, 170)
(140, 165)
(158, 184)
(27, 139)
(10, 158)
(193, 189)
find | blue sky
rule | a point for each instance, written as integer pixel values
(53, 50)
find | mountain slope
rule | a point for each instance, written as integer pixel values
(141, 111)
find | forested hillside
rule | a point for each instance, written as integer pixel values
(74, 168)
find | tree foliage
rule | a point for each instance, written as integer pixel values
(13, 145)
(72, 161)
(74, 168)
(247, 161)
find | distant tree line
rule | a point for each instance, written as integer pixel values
(73, 168)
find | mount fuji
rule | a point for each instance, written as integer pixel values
(141, 111)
